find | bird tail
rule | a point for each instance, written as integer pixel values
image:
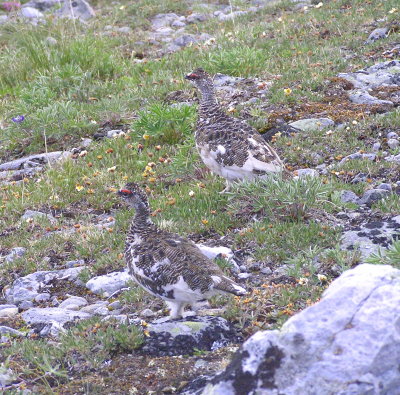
(229, 286)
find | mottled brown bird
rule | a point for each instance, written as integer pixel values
(168, 265)
(229, 146)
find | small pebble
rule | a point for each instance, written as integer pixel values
(147, 313)
(393, 143)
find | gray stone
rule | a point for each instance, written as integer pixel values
(163, 20)
(347, 344)
(91, 308)
(378, 75)
(310, 124)
(15, 253)
(393, 143)
(393, 158)
(26, 304)
(302, 173)
(363, 97)
(49, 314)
(360, 177)
(102, 310)
(377, 34)
(51, 41)
(376, 147)
(358, 155)
(373, 195)
(371, 236)
(392, 135)
(73, 300)
(244, 276)
(42, 5)
(86, 142)
(147, 313)
(185, 40)
(5, 330)
(27, 288)
(31, 214)
(115, 305)
(348, 197)
(7, 376)
(43, 297)
(76, 263)
(266, 270)
(30, 12)
(197, 17)
(225, 80)
(115, 133)
(76, 9)
(124, 30)
(109, 283)
(386, 186)
(178, 23)
(231, 15)
(8, 310)
(184, 336)
(35, 160)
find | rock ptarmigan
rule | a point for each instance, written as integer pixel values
(168, 265)
(229, 146)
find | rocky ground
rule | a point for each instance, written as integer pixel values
(71, 320)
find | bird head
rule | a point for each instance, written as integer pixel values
(134, 196)
(200, 78)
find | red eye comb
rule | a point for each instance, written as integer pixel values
(127, 191)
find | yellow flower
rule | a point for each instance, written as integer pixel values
(79, 187)
(322, 278)
(204, 221)
(287, 91)
(146, 136)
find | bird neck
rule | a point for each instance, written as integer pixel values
(208, 101)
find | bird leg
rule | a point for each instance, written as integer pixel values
(176, 309)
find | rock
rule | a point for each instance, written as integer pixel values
(5, 330)
(178, 23)
(26, 304)
(115, 305)
(43, 297)
(310, 124)
(393, 143)
(377, 34)
(27, 288)
(348, 197)
(393, 158)
(225, 80)
(47, 315)
(115, 133)
(266, 270)
(376, 147)
(30, 12)
(302, 173)
(373, 195)
(196, 17)
(109, 283)
(363, 97)
(86, 142)
(76, 263)
(91, 308)
(7, 376)
(15, 253)
(184, 336)
(163, 20)
(124, 30)
(8, 310)
(386, 186)
(76, 9)
(380, 74)
(51, 41)
(3, 19)
(369, 237)
(358, 155)
(345, 344)
(392, 135)
(360, 177)
(73, 300)
(244, 276)
(147, 313)
(35, 160)
(42, 5)
(231, 15)
(185, 40)
(30, 214)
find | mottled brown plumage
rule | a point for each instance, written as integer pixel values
(229, 146)
(168, 265)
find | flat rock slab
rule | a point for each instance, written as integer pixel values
(48, 315)
(184, 336)
(372, 236)
(34, 160)
(109, 283)
(76, 9)
(310, 124)
(347, 344)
